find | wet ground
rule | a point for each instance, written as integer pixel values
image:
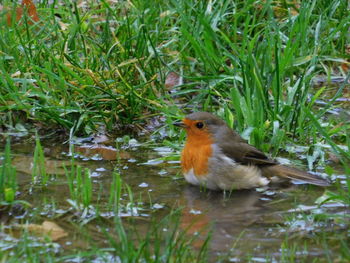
(262, 225)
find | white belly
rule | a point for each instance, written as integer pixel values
(200, 180)
(225, 174)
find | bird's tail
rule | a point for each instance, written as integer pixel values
(294, 174)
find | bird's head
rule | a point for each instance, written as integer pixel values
(201, 125)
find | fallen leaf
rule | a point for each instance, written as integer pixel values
(101, 138)
(63, 26)
(24, 164)
(47, 228)
(165, 13)
(346, 65)
(16, 74)
(172, 79)
(31, 9)
(106, 152)
(27, 6)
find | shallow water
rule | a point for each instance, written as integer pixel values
(262, 225)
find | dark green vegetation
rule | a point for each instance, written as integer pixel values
(89, 65)
(100, 63)
(8, 182)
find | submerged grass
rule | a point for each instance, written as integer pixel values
(39, 171)
(8, 179)
(164, 241)
(80, 185)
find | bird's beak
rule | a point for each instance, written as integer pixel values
(179, 124)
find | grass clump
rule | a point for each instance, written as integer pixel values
(23, 249)
(8, 178)
(80, 186)
(77, 67)
(105, 63)
(38, 170)
(260, 66)
(165, 241)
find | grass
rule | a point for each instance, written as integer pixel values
(24, 250)
(39, 171)
(164, 241)
(8, 179)
(125, 243)
(80, 186)
(172, 246)
(104, 64)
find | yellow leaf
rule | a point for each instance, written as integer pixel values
(47, 228)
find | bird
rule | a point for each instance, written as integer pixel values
(217, 158)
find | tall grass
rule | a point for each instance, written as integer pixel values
(8, 178)
(260, 66)
(79, 70)
(164, 241)
(106, 63)
(80, 186)
(39, 170)
(24, 250)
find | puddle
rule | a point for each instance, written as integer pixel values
(242, 225)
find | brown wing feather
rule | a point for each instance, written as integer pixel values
(240, 151)
(294, 174)
(235, 147)
(246, 154)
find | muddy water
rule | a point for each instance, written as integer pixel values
(260, 225)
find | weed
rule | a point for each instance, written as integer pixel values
(80, 186)
(8, 179)
(39, 171)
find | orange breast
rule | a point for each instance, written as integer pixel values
(196, 153)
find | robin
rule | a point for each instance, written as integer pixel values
(216, 157)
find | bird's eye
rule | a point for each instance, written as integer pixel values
(199, 125)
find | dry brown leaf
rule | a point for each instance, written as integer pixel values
(31, 9)
(47, 228)
(27, 6)
(346, 66)
(24, 164)
(165, 13)
(101, 138)
(16, 74)
(282, 9)
(106, 152)
(172, 79)
(64, 26)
